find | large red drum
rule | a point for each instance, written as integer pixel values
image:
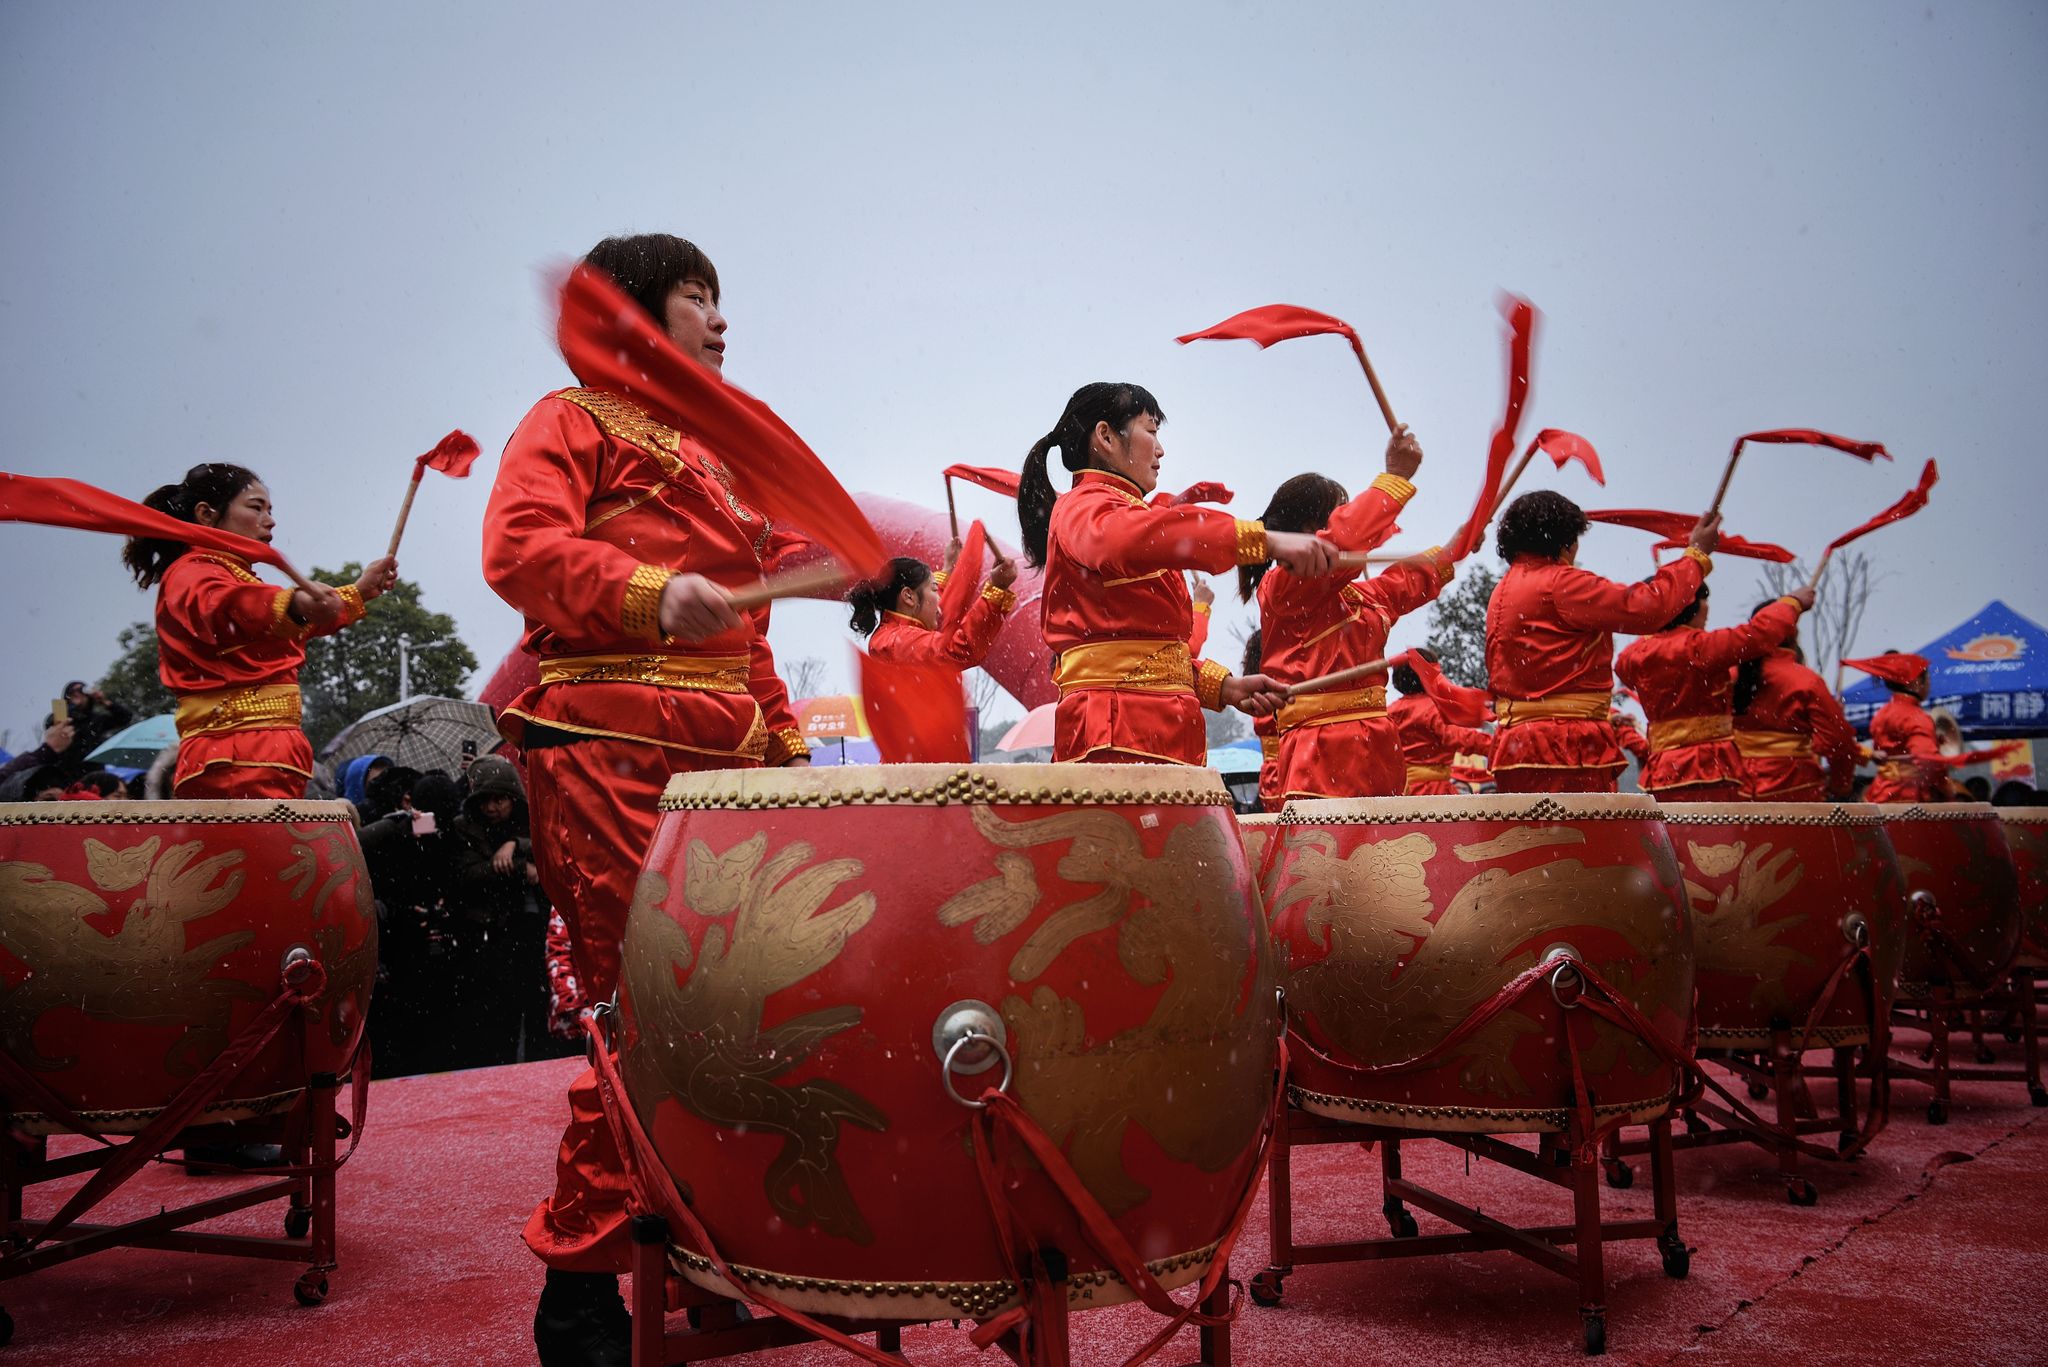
(137, 939)
(2026, 835)
(1956, 855)
(803, 949)
(1258, 831)
(1781, 894)
(1397, 918)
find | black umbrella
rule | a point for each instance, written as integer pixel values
(419, 733)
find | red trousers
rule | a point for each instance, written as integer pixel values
(273, 762)
(594, 811)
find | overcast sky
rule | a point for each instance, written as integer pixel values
(305, 238)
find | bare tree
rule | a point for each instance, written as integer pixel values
(1838, 608)
(804, 675)
(983, 691)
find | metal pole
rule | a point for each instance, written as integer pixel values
(404, 669)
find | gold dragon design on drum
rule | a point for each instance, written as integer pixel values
(1728, 912)
(1399, 974)
(1173, 926)
(777, 938)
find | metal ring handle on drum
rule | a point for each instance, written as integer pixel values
(602, 1015)
(1567, 983)
(946, 1068)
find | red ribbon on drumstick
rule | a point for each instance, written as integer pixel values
(611, 343)
(1521, 318)
(1794, 436)
(452, 456)
(1911, 502)
(1676, 527)
(1272, 323)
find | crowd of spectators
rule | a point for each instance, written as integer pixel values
(61, 767)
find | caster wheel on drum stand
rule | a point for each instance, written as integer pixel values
(1937, 1113)
(1984, 1054)
(1620, 1175)
(1802, 1193)
(2012, 1034)
(298, 1222)
(1265, 1287)
(1845, 1141)
(1695, 1125)
(6, 1328)
(311, 1288)
(1400, 1223)
(1757, 1091)
(2038, 1095)
(1596, 1336)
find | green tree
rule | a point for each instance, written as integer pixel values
(1457, 627)
(132, 678)
(356, 671)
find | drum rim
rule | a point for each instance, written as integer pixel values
(1772, 814)
(178, 812)
(1489, 807)
(1943, 811)
(2023, 816)
(930, 785)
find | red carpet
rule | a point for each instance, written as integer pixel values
(1896, 1263)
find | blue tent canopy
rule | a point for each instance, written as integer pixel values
(1991, 672)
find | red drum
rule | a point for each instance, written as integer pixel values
(138, 938)
(807, 945)
(1781, 893)
(1257, 831)
(1397, 918)
(1956, 854)
(2026, 835)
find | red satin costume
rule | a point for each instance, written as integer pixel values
(596, 506)
(1909, 767)
(1550, 662)
(1686, 682)
(1628, 737)
(1790, 726)
(1430, 745)
(1118, 617)
(228, 647)
(902, 639)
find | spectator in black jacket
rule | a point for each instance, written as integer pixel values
(498, 924)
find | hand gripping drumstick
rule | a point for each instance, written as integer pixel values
(797, 584)
(1343, 676)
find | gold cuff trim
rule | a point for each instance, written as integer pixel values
(1209, 680)
(1321, 709)
(704, 673)
(353, 608)
(1578, 706)
(1251, 543)
(940, 577)
(1399, 489)
(640, 611)
(1203, 608)
(281, 623)
(998, 597)
(785, 745)
(265, 707)
(1149, 666)
(1773, 745)
(1683, 731)
(1706, 562)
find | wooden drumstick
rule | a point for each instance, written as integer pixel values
(1338, 679)
(1727, 474)
(405, 509)
(1359, 560)
(796, 584)
(1372, 378)
(952, 515)
(1813, 584)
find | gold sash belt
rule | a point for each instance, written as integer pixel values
(1428, 773)
(265, 707)
(1148, 666)
(1681, 731)
(706, 673)
(1906, 770)
(1320, 709)
(1576, 706)
(1773, 745)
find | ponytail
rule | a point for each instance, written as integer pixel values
(1749, 675)
(216, 485)
(1304, 503)
(1254, 652)
(876, 596)
(1102, 402)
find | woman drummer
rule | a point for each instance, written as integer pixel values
(1786, 723)
(1116, 609)
(230, 645)
(1550, 645)
(1339, 742)
(899, 614)
(1430, 742)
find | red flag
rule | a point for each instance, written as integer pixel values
(1272, 323)
(1914, 500)
(1461, 706)
(1675, 528)
(611, 343)
(917, 714)
(1899, 667)
(1208, 491)
(963, 585)
(1521, 316)
(1003, 482)
(1807, 436)
(452, 456)
(1984, 756)
(1562, 446)
(72, 503)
